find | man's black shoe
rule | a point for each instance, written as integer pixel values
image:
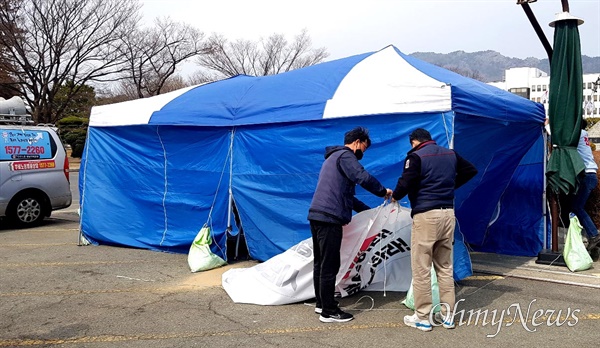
(319, 307)
(338, 317)
(595, 254)
(592, 242)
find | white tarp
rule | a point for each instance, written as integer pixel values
(375, 255)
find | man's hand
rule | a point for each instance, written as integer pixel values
(388, 194)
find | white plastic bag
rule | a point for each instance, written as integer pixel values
(200, 257)
(575, 254)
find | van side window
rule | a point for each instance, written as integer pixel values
(21, 144)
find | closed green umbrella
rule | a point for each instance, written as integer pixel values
(565, 109)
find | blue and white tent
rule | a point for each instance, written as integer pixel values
(155, 170)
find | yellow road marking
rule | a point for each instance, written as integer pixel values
(73, 263)
(167, 336)
(175, 288)
(486, 277)
(33, 244)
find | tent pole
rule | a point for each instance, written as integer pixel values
(229, 227)
(80, 238)
(230, 203)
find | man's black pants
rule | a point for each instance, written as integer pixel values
(327, 240)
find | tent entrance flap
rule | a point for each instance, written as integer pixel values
(236, 242)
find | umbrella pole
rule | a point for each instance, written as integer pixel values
(552, 257)
(545, 202)
(554, 218)
(545, 256)
(538, 29)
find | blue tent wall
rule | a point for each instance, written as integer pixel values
(131, 195)
(276, 170)
(273, 190)
(518, 224)
(496, 148)
(274, 175)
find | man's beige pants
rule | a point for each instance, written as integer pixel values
(431, 241)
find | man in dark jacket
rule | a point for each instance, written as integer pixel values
(331, 208)
(431, 174)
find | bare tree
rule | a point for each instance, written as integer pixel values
(265, 57)
(153, 54)
(63, 40)
(466, 72)
(125, 90)
(6, 80)
(201, 77)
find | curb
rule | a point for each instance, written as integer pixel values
(594, 282)
(74, 164)
(526, 268)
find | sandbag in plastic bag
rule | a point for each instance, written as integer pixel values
(575, 254)
(409, 301)
(200, 257)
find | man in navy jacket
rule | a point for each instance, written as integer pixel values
(331, 208)
(431, 174)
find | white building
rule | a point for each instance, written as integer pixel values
(533, 84)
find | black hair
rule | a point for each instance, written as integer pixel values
(421, 135)
(360, 133)
(584, 123)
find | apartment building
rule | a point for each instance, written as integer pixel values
(533, 84)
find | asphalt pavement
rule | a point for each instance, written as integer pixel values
(56, 293)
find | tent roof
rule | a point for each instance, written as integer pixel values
(382, 82)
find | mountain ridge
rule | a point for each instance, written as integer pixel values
(489, 66)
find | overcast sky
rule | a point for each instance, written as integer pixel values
(351, 27)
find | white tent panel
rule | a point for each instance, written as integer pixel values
(384, 83)
(133, 112)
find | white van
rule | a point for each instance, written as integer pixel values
(34, 174)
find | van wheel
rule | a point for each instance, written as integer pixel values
(26, 210)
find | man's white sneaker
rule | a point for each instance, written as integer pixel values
(414, 321)
(446, 322)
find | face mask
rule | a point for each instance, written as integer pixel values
(359, 154)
